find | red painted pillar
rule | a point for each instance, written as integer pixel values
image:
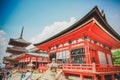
(102, 77)
(36, 62)
(113, 78)
(48, 57)
(21, 65)
(96, 57)
(81, 77)
(93, 67)
(95, 78)
(30, 59)
(56, 55)
(42, 61)
(106, 58)
(70, 54)
(111, 58)
(87, 53)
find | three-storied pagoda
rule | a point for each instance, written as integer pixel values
(16, 49)
(24, 53)
(84, 49)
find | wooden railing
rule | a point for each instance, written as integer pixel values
(92, 68)
(106, 68)
(80, 68)
(42, 68)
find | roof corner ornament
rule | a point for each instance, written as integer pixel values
(21, 32)
(102, 13)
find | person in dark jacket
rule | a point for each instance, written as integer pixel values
(1, 75)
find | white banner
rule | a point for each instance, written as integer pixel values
(63, 54)
(109, 59)
(102, 57)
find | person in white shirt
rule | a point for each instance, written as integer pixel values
(28, 75)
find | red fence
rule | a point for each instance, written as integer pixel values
(92, 68)
(43, 68)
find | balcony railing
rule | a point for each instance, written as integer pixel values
(42, 67)
(93, 68)
(89, 68)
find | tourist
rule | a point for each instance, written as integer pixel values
(7, 75)
(22, 76)
(4, 72)
(1, 75)
(10, 73)
(28, 75)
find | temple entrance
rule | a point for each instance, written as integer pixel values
(108, 77)
(53, 55)
(78, 56)
(63, 57)
(16, 65)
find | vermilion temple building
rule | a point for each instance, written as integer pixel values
(83, 49)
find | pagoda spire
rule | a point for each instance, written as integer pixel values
(21, 32)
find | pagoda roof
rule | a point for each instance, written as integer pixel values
(42, 54)
(15, 50)
(94, 13)
(13, 57)
(38, 54)
(19, 42)
(32, 54)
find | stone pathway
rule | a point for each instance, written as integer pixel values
(48, 75)
(17, 76)
(35, 76)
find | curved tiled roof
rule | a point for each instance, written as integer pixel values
(93, 13)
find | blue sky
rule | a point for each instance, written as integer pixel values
(41, 16)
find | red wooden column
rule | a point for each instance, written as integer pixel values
(70, 53)
(111, 57)
(81, 77)
(41, 61)
(19, 66)
(95, 78)
(48, 57)
(102, 77)
(30, 59)
(36, 62)
(87, 53)
(96, 57)
(56, 55)
(24, 61)
(113, 78)
(106, 58)
(22, 64)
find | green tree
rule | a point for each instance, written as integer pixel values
(116, 57)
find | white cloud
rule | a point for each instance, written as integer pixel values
(3, 45)
(53, 29)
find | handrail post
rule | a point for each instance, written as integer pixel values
(63, 66)
(81, 67)
(93, 67)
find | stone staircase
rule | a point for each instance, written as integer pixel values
(47, 76)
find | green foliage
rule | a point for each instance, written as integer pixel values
(116, 57)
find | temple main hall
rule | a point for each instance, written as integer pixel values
(83, 51)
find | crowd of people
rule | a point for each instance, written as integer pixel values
(6, 74)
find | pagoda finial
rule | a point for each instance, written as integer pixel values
(21, 32)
